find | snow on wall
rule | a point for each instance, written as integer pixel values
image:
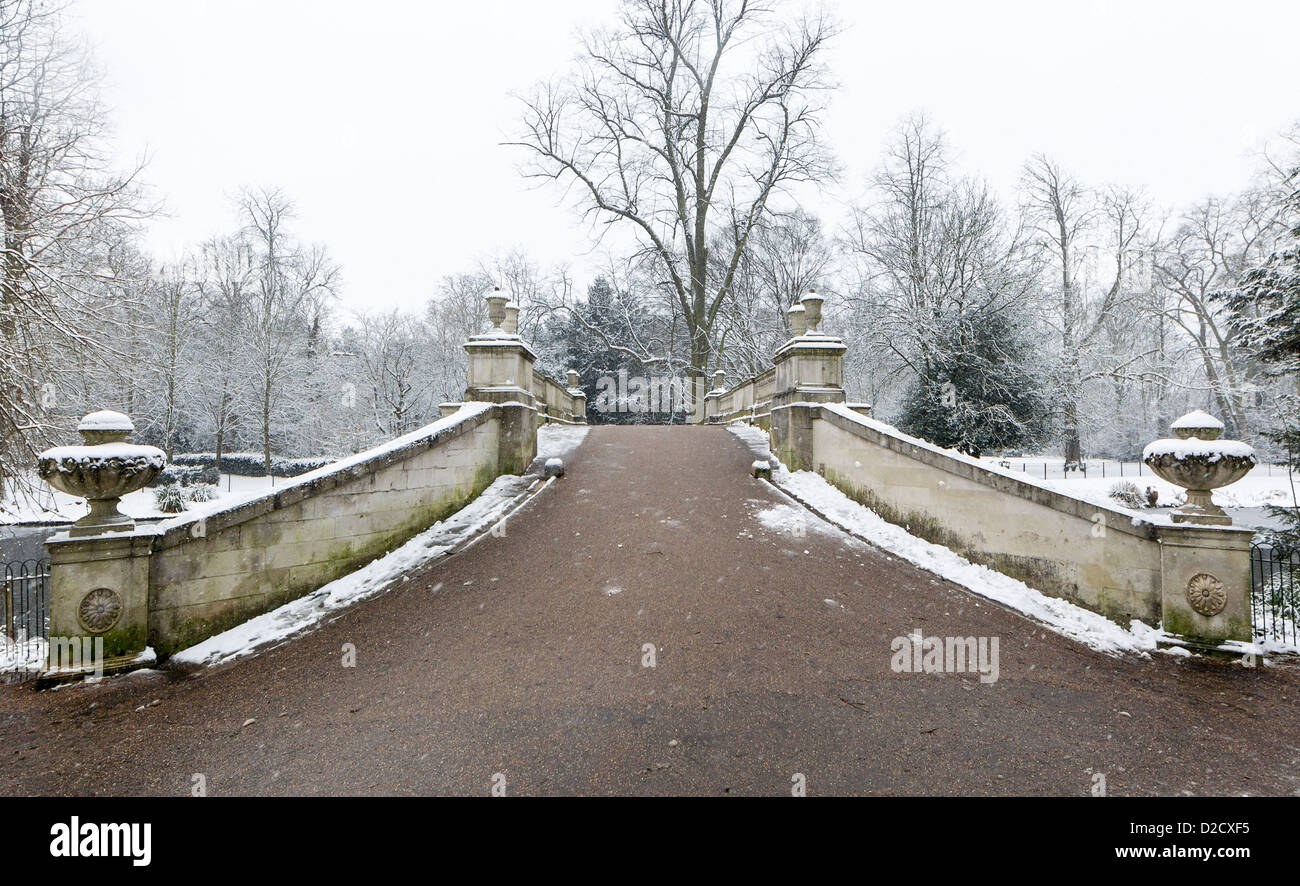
(1103, 557)
(216, 566)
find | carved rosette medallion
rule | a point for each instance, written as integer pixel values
(99, 610)
(1206, 595)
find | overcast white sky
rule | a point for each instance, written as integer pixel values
(383, 119)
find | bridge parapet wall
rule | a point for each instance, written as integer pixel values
(559, 403)
(197, 574)
(1119, 563)
(178, 582)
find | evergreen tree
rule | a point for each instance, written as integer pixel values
(987, 393)
(615, 313)
(1265, 311)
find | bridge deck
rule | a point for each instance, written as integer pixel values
(523, 655)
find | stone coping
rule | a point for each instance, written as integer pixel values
(959, 464)
(500, 341)
(179, 529)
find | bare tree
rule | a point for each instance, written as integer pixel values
(175, 306)
(1210, 248)
(688, 119)
(934, 251)
(61, 207)
(394, 353)
(283, 315)
(787, 257)
(1066, 219)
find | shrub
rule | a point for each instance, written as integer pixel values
(201, 492)
(170, 499)
(181, 475)
(1127, 494)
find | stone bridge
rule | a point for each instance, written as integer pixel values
(662, 619)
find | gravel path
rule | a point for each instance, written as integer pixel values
(523, 656)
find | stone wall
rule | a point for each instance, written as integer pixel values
(1063, 546)
(751, 401)
(193, 576)
(557, 402)
(1115, 562)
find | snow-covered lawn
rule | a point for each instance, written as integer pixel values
(1254, 490)
(862, 523)
(50, 506)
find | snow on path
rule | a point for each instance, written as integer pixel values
(377, 576)
(554, 441)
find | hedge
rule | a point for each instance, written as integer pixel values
(251, 464)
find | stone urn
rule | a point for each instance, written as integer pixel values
(798, 320)
(812, 308)
(102, 470)
(1198, 461)
(497, 303)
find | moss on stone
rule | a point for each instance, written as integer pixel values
(124, 641)
(341, 559)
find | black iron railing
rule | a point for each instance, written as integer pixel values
(1274, 594)
(25, 602)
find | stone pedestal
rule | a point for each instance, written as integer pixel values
(1205, 583)
(99, 589)
(579, 396)
(501, 371)
(518, 442)
(809, 371)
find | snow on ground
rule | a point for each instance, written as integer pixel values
(1254, 490)
(1066, 618)
(52, 506)
(372, 579)
(556, 441)
(861, 522)
(24, 656)
(379, 575)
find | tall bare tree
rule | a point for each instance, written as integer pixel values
(687, 119)
(1067, 219)
(1210, 248)
(934, 250)
(61, 208)
(284, 311)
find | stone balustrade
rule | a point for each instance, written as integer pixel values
(558, 402)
